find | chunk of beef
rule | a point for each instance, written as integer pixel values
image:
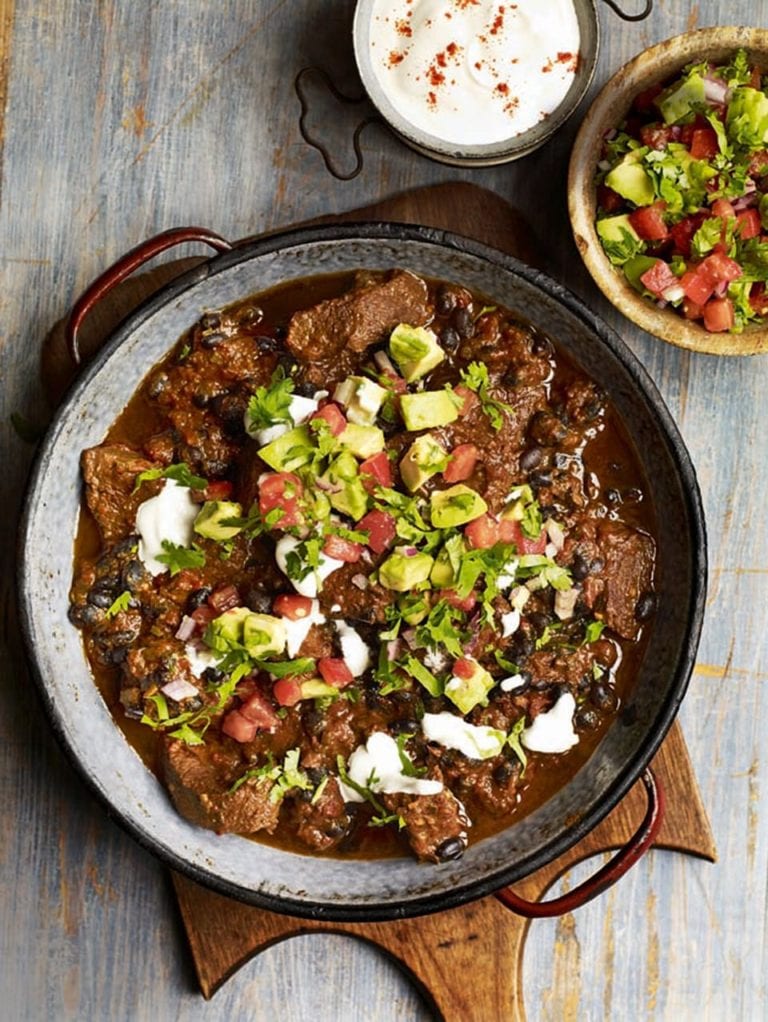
(110, 472)
(491, 783)
(435, 825)
(356, 604)
(324, 823)
(326, 335)
(200, 778)
(561, 666)
(625, 575)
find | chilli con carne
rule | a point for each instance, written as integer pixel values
(366, 561)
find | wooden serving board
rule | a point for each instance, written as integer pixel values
(483, 939)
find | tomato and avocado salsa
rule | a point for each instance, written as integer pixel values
(682, 194)
(364, 557)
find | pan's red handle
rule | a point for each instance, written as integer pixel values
(125, 266)
(636, 847)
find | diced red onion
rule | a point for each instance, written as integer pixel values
(555, 533)
(409, 551)
(716, 91)
(366, 556)
(179, 689)
(604, 165)
(673, 293)
(382, 360)
(661, 304)
(360, 581)
(610, 134)
(186, 629)
(393, 649)
(329, 487)
(565, 601)
(410, 637)
(721, 289)
(676, 132)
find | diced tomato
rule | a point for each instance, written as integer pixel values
(722, 208)
(202, 616)
(379, 468)
(469, 397)
(718, 315)
(381, 529)
(649, 222)
(704, 144)
(644, 101)
(259, 710)
(281, 490)
(511, 532)
(224, 598)
(464, 668)
(697, 285)
(462, 463)
(749, 223)
(333, 415)
(293, 607)
(483, 532)
(609, 200)
(397, 383)
(659, 277)
(287, 691)
(721, 268)
(342, 549)
(334, 671)
(239, 727)
(466, 603)
(691, 310)
(221, 489)
(656, 136)
(682, 232)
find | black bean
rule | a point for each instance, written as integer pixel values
(645, 606)
(133, 573)
(200, 399)
(596, 566)
(463, 323)
(531, 458)
(540, 477)
(314, 721)
(539, 620)
(87, 615)
(229, 408)
(587, 719)
(213, 676)
(259, 601)
(250, 315)
(521, 646)
(281, 333)
(287, 361)
(405, 726)
(547, 429)
(445, 300)
(449, 338)
(603, 696)
(197, 598)
(266, 344)
(541, 345)
(451, 848)
(157, 384)
(209, 341)
(579, 568)
(306, 389)
(210, 321)
(503, 773)
(100, 597)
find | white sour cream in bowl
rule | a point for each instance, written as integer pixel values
(475, 82)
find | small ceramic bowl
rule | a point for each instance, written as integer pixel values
(477, 155)
(654, 65)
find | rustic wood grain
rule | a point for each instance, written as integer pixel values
(123, 119)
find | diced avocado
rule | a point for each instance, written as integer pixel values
(455, 506)
(679, 100)
(362, 441)
(425, 458)
(347, 493)
(413, 610)
(747, 117)
(314, 688)
(225, 632)
(362, 399)
(518, 500)
(415, 350)
(635, 267)
(442, 575)
(212, 515)
(429, 408)
(290, 451)
(403, 571)
(467, 693)
(620, 239)
(631, 181)
(263, 634)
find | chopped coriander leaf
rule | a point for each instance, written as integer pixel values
(513, 741)
(270, 406)
(181, 473)
(180, 557)
(121, 603)
(475, 376)
(409, 768)
(362, 791)
(593, 630)
(286, 668)
(422, 674)
(441, 629)
(505, 664)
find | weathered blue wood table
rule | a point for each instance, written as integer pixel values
(120, 119)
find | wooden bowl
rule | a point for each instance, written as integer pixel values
(653, 65)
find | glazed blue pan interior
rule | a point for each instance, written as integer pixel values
(321, 887)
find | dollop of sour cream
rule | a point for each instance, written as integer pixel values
(553, 731)
(307, 586)
(377, 766)
(355, 652)
(474, 72)
(168, 516)
(299, 409)
(450, 731)
(297, 631)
